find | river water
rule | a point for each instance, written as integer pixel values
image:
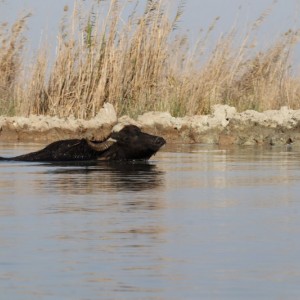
(196, 222)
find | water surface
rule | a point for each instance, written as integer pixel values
(196, 222)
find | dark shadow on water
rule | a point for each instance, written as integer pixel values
(80, 177)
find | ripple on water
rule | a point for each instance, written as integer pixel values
(195, 222)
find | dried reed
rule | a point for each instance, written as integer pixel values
(141, 64)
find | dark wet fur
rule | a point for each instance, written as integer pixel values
(131, 144)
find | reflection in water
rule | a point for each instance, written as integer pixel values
(103, 184)
(108, 176)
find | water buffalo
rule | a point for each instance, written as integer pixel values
(130, 143)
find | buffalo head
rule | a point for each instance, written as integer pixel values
(129, 143)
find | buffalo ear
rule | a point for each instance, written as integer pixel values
(100, 147)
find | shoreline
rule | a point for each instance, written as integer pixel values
(225, 126)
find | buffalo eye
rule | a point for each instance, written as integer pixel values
(126, 139)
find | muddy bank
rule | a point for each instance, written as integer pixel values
(47, 129)
(225, 126)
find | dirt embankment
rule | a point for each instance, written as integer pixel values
(224, 126)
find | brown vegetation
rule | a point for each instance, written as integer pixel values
(141, 65)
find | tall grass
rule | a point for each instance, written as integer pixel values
(143, 64)
(12, 43)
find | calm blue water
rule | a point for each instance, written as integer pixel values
(196, 222)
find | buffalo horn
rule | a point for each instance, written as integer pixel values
(101, 146)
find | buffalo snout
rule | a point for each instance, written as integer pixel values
(159, 141)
